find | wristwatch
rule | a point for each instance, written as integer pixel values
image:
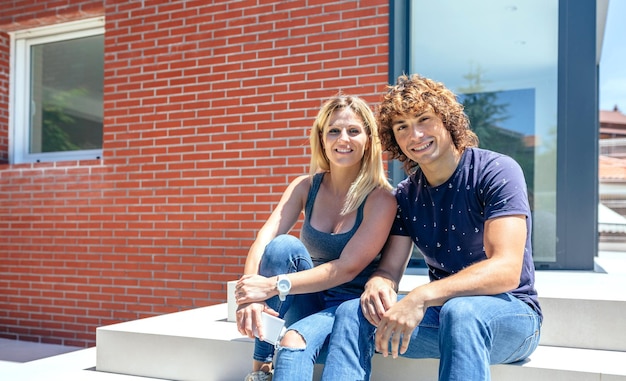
(283, 285)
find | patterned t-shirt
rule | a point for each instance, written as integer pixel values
(446, 222)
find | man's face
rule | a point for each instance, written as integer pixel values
(423, 138)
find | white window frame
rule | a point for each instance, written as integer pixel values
(19, 100)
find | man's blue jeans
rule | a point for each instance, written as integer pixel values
(467, 334)
(311, 315)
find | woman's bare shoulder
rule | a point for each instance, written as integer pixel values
(381, 197)
(300, 185)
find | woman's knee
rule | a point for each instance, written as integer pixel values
(293, 339)
(349, 309)
(282, 243)
(277, 253)
(349, 320)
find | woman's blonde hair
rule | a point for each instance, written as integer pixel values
(413, 95)
(372, 174)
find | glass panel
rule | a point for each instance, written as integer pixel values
(66, 95)
(502, 60)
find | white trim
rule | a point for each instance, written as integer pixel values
(50, 30)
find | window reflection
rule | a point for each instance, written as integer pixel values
(67, 95)
(501, 59)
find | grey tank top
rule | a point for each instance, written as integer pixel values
(324, 247)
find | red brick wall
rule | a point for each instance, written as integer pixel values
(207, 107)
(4, 98)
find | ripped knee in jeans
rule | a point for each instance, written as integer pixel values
(293, 340)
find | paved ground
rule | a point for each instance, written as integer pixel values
(24, 351)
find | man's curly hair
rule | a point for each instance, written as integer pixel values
(412, 96)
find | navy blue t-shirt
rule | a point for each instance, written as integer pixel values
(446, 222)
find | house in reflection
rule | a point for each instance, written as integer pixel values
(612, 180)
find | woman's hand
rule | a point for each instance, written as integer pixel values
(254, 288)
(249, 318)
(378, 296)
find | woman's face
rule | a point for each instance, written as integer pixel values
(345, 139)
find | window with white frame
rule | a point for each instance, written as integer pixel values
(57, 92)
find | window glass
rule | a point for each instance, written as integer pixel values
(57, 92)
(66, 95)
(502, 61)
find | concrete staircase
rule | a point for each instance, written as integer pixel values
(583, 338)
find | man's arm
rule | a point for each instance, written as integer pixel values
(504, 242)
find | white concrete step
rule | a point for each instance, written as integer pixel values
(583, 338)
(555, 364)
(198, 344)
(581, 309)
(546, 363)
(201, 345)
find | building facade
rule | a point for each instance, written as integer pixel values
(205, 113)
(612, 180)
(143, 143)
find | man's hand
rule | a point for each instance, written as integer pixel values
(379, 295)
(399, 322)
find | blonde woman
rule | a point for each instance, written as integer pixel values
(348, 211)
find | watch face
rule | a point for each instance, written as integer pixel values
(283, 285)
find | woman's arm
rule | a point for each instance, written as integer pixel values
(363, 247)
(282, 219)
(381, 290)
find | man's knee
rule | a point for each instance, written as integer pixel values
(460, 309)
(461, 318)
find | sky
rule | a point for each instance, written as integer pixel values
(613, 58)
